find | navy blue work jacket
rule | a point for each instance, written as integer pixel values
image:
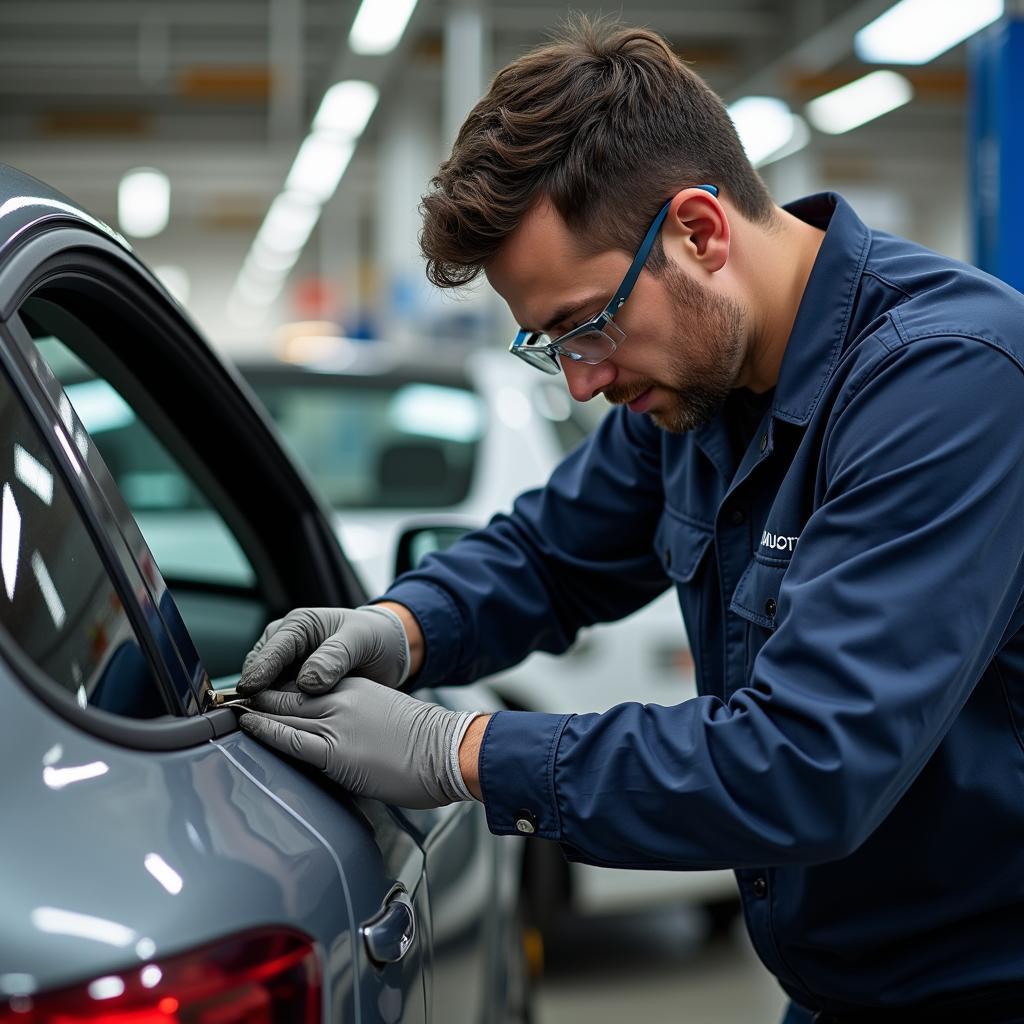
(851, 585)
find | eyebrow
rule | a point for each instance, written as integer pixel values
(567, 311)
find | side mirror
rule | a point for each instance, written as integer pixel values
(415, 544)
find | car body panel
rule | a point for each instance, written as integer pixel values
(83, 809)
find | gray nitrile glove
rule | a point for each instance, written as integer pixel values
(371, 740)
(333, 643)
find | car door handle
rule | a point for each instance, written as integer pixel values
(390, 932)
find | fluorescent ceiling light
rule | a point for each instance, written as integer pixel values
(765, 126)
(258, 292)
(858, 102)
(289, 222)
(798, 140)
(379, 25)
(315, 174)
(319, 165)
(346, 107)
(917, 31)
(263, 262)
(143, 202)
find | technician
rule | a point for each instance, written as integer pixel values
(818, 440)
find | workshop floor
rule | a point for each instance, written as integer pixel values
(657, 968)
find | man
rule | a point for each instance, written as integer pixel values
(817, 440)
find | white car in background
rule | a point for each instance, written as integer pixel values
(393, 445)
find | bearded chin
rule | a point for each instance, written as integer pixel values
(689, 410)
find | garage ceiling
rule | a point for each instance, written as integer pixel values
(219, 93)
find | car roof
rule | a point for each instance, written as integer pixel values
(26, 201)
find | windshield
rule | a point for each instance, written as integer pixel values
(379, 443)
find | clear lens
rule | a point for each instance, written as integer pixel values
(542, 359)
(592, 347)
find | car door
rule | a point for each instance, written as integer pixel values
(418, 436)
(327, 865)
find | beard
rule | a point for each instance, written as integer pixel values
(704, 367)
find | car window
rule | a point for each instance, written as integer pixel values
(379, 443)
(59, 604)
(215, 588)
(186, 535)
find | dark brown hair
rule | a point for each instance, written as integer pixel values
(605, 121)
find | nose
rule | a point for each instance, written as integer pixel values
(586, 380)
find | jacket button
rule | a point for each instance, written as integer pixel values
(668, 558)
(770, 608)
(526, 822)
(736, 517)
(764, 442)
(760, 887)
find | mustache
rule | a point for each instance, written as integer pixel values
(625, 395)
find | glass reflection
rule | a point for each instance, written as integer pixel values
(150, 976)
(48, 590)
(34, 475)
(54, 921)
(10, 541)
(58, 778)
(65, 613)
(17, 984)
(106, 988)
(163, 873)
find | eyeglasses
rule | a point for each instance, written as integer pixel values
(594, 341)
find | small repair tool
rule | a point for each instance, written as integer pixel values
(224, 699)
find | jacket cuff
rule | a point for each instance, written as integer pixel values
(517, 773)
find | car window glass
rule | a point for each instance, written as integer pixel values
(188, 538)
(158, 481)
(58, 604)
(379, 444)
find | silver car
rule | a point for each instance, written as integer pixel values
(158, 864)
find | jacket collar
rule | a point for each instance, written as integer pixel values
(819, 330)
(823, 319)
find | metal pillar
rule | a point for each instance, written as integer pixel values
(407, 157)
(466, 63)
(996, 60)
(286, 116)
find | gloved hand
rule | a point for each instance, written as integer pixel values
(372, 740)
(333, 643)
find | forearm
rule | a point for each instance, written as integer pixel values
(469, 754)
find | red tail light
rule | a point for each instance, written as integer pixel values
(269, 976)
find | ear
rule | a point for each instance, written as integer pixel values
(697, 230)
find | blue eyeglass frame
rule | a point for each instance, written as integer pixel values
(536, 349)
